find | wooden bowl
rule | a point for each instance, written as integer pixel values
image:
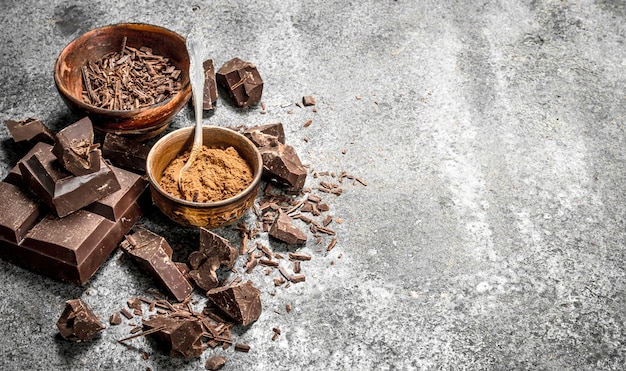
(92, 46)
(202, 214)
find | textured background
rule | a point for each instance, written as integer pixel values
(490, 133)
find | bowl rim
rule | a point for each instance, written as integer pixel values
(243, 194)
(103, 111)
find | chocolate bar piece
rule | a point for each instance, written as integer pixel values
(215, 363)
(29, 130)
(75, 150)
(263, 135)
(283, 229)
(63, 192)
(242, 302)
(15, 175)
(70, 248)
(308, 100)
(210, 86)
(125, 152)
(114, 205)
(18, 212)
(205, 276)
(212, 244)
(152, 252)
(78, 322)
(242, 81)
(181, 337)
(282, 164)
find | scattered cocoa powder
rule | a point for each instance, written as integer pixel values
(215, 175)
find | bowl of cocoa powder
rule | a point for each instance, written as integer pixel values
(219, 187)
(129, 78)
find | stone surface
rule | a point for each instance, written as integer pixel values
(491, 135)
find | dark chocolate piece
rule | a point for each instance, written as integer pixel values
(215, 363)
(242, 302)
(18, 212)
(152, 252)
(242, 81)
(114, 205)
(181, 337)
(31, 130)
(125, 152)
(63, 192)
(205, 277)
(281, 163)
(78, 322)
(283, 229)
(115, 319)
(15, 176)
(241, 347)
(210, 86)
(308, 100)
(265, 135)
(75, 150)
(213, 245)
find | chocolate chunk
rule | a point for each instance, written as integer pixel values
(210, 86)
(283, 229)
(308, 100)
(125, 152)
(63, 192)
(18, 212)
(196, 258)
(114, 205)
(115, 319)
(205, 277)
(242, 81)
(213, 245)
(152, 252)
(242, 302)
(75, 150)
(181, 337)
(215, 363)
(78, 322)
(241, 347)
(282, 164)
(70, 248)
(15, 176)
(272, 130)
(31, 130)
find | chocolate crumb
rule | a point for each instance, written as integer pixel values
(126, 313)
(115, 319)
(241, 347)
(215, 363)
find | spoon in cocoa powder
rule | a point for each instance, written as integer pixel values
(195, 49)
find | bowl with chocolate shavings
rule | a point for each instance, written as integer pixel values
(218, 188)
(129, 78)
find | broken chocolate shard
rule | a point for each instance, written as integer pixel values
(210, 87)
(284, 230)
(180, 337)
(212, 244)
(215, 363)
(308, 100)
(242, 302)
(75, 150)
(15, 176)
(64, 192)
(18, 212)
(113, 206)
(115, 319)
(152, 253)
(205, 277)
(242, 81)
(282, 164)
(262, 132)
(78, 322)
(124, 152)
(29, 130)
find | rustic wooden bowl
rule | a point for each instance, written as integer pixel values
(93, 45)
(202, 214)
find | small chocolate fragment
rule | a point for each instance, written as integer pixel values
(63, 192)
(308, 100)
(31, 130)
(242, 81)
(181, 337)
(273, 130)
(242, 302)
(75, 150)
(153, 253)
(15, 176)
(283, 229)
(205, 277)
(210, 86)
(124, 152)
(281, 163)
(77, 322)
(215, 363)
(115, 319)
(241, 347)
(18, 212)
(213, 245)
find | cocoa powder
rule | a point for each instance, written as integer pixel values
(215, 175)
